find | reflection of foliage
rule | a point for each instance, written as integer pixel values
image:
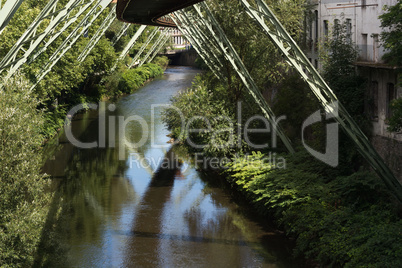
(23, 199)
(333, 219)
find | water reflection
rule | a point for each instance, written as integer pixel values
(111, 213)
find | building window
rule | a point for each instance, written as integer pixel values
(349, 30)
(325, 28)
(316, 30)
(391, 95)
(374, 100)
(364, 47)
(316, 64)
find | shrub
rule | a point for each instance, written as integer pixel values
(23, 199)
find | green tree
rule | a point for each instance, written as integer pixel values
(23, 202)
(391, 23)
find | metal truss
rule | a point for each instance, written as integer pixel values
(197, 44)
(60, 20)
(262, 15)
(143, 47)
(154, 46)
(162, 43)
(7, 12)
(232, 56)
(98, 35)
(130, 45)
(73, 37)
(122, 31)
(200, 43)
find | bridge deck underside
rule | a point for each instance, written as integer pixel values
(149, 12)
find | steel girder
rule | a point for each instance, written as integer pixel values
(8, 11)
(262, 15)
(57, 17)
(154, 46)
(98, 35)
(129, 45)
(232, 56)
(123, 29)
(73, 37)
(162, 43)
(143, 47)
(200, 43)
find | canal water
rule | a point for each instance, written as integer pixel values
(114, 207)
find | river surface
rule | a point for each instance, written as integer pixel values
(112, 209)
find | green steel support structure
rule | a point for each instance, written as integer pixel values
(199, 45)
(98, 35)
(162, 43)
(130, 44)
(122, 31)
(73, 37)
(232, 56)
(7, 12)
(262, 15)
(203, 43)
(19, 54)
(154, 46)
(143, 47)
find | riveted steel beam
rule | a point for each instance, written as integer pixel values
(204, 41)
(232, 56)
(129, 45)
(198, 43)
(143, 47)
(98, 35)
(162, 43)
(272, 27)
(7, 12)
(33, 37)
(73, 37)
(154, 46)
(122, 31)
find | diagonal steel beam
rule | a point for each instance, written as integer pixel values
(154, 46)
(143, 47)
(232, 56)
(262, 15)
(129, 45)
(98, 35)
(31, 35)
(199, 34)
(8, 11)
(73, 37)
(198, 44)
(123, 30)
(162, 43)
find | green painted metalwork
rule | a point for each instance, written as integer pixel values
(154, 46)
(204, 44)
(262, 15)
(7, 12)
(129, 45)
(122, 31)
(199, 45)
(98, 35)
(33, 37)
(82, 26)
(232, 56)
(143, 47)
(162, 43)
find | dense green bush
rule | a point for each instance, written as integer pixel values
(347, 221)
(133, 79)
(22, 189)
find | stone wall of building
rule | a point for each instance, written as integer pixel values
(391, 151)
